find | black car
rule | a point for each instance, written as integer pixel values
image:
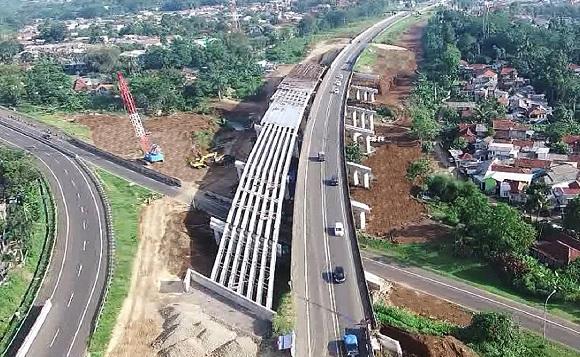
(333, 180)
(338, 275)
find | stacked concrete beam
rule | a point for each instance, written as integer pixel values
(246, 258)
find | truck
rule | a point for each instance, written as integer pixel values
(350, 344)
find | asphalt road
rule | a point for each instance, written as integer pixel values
(557, 329)
(77, 271)
(326, 309)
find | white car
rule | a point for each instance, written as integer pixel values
(338, 83)
(334, 90)
(338, 229)
(339, 76)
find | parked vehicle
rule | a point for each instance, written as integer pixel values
(321, 156)
(333, 180)
(350, 345)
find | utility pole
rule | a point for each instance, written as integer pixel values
(545, 307)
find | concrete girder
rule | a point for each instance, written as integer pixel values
(355, 170)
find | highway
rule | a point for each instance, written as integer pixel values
(77, 271)
(557, 329)
(325, 309)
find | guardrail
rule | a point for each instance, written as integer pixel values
(367, 303)
(131, 165)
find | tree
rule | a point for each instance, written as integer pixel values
(51, 31)
(48, 85)
(418, 170)
(495, 335)
(159, 91)
(9, 49)
(12, 89)
(538, 200)
(354, 153)
(571, 217)
(424, 125)
(103, 60)
(489, 110)
(307, 25)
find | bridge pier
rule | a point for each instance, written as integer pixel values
(218, 226)
(358, 133)
(356, 170)
(360, 211)
(240, 167)
(367, 117)
(361, 93)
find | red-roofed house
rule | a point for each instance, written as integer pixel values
(507, 129)
(533, 163)
(508, 73)
(573, 142)
(557, 249)
(566, 193)
(515, 191)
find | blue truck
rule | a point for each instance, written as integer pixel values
(350, 344)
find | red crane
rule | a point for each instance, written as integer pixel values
(152, 152)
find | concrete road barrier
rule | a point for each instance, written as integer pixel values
(23, 350)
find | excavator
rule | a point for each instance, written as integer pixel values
(204, 161)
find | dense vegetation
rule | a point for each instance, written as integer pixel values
(498, 234)
(490, 334)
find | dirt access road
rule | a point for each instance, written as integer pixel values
(157, 318)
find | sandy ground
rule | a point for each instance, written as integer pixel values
(157, 318)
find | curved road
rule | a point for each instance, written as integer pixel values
(77, 271)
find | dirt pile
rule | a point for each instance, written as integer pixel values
(188, 332)
(415, 345)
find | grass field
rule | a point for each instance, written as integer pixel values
(19, 289)
(471, 271)
(393, 33)
(57, 120)
(126, 200)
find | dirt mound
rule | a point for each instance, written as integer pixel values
(415, 345)
(188, 332)
(173, 133)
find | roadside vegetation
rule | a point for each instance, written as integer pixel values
(26, 241)
(126, 200)
(490, 334)
(285, 318)
(394, 32)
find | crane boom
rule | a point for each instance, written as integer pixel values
(134, 117)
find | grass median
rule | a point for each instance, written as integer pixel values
(436, 258)
(126, 200)
(18, 291)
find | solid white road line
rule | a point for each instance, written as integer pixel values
(419, 276)
(54, 337)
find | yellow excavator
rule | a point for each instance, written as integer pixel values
(204, 161)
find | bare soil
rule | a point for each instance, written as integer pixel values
(157, 318)
(172, 133)
(392, 206)
(423, 231)
(428, 305)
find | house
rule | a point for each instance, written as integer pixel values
(533, 164)
(537, 113)
(514, 191)
(507, 129)
(573, 142)
(574, 68)
(508, 74)
(557, 249)
(502, 151)
(565, 193)
(510, 181)
(104, 89)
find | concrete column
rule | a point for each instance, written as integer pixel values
(366, 96)
(363, 120)
(372, 97)
(354, 117)
(362, 223)
(372, 121)
(239, 167)
(355, 137)
(218, 227)
(357, 94)
(355, 179)
(367, 180)
(368, 144)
